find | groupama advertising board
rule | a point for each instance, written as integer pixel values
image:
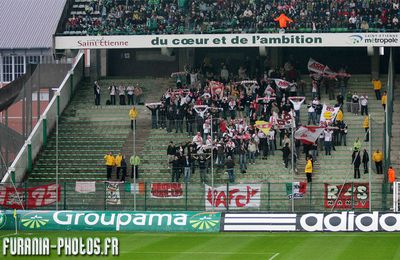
(346, 221)
(115, 221)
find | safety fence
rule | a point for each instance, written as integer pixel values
(174, 196)
(38, 136)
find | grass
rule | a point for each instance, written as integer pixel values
(246, 246)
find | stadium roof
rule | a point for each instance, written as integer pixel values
(29, 24)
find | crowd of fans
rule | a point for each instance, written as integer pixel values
(233, 120)
(106, 17)
(221, 113)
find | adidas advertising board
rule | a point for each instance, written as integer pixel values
(311, 222)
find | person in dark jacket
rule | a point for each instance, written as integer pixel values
(187, 165)
(171, 151)
(162, 116)
(96, 89)
(175, 169)
(179, 120)
(365, 160)
(286, 154)
(153, 108)
(242, 157)
(202, 160)
(230, 168)
(190, 118)
(170, 119)
(123, 168)
(356, 160)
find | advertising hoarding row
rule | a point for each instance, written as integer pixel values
(229, 40)
(189, 221)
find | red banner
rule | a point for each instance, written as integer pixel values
(29, 198)
(239, 196)
(167, 190)
(347, 196)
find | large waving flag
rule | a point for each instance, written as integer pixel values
(263, 126)
(315, 66)
(328, 114)
(324, 70)
(308, 134)
(283, 84)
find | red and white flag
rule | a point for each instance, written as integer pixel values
(324, 70)
(283, 84)
(308, 134)
(217, 88)
(315, 66)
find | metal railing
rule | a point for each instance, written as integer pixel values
(38, 136)
(268, 196)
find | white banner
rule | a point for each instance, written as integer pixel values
(328, 114)
(112, 193)
(283, 84)
(229, 40)
(240, 196)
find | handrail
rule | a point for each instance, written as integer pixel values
(35, 129)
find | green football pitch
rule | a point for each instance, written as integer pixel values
(237, 245)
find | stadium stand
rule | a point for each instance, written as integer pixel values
(88, 132)
(105, 17)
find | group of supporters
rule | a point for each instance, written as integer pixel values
(107, 17)
(127, 95)
(236, 120)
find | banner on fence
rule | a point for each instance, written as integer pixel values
(112, 193)
(171, 190)
(240, 196)
(298, 189)
(347, 196)
(312, 222)
(85, 186)
(159, 221)
(138, 188)
(33, 197)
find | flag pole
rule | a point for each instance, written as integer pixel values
(293, 147)
(212, 164)
(369, 161)
(134, 166)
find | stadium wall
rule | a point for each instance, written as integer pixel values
(156, 63)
